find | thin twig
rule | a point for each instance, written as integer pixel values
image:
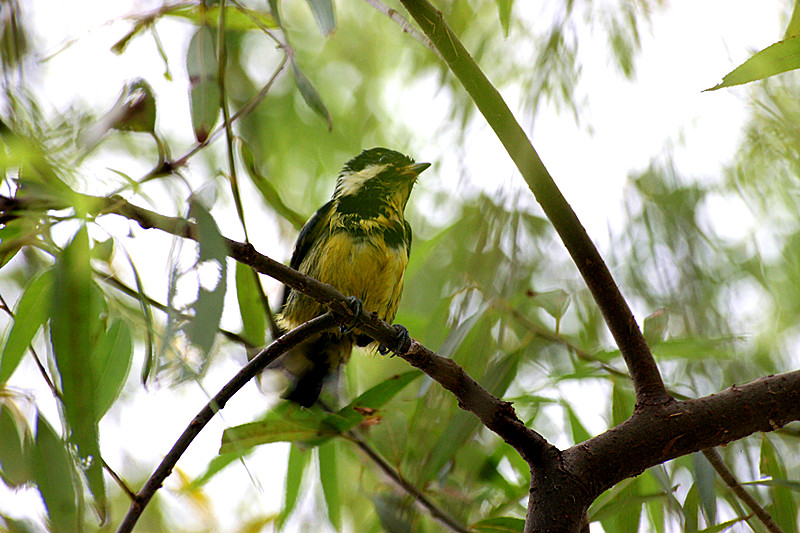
(434, 510)
(250, 370)
(727, 476)
(222, 59)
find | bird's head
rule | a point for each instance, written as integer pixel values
(377, 177)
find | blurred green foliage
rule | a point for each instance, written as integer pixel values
(488, 284)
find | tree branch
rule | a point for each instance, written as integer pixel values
(250, 370)
(654, 436)
(644, 372)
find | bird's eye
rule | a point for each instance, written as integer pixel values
(383, 159)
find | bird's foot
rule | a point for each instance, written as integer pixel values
(356, 307)
(401, 344)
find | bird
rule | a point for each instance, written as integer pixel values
(359, 242)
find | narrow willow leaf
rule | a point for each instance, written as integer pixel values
(579, 431)
(793, 27)
(284, 423)
(32, 311)
(215, 466)
(15, 447)
(111, 361)
(312, 427)
(310, 95)
(254, 321)
(329, 476)
(55, 478)
(622, 403)
(782, 56)
(502, 524)
(202, 67)
(202, 328)
(704, 477)
(299, 457)
(784, 507)
(504, 13)
(236, 18)
(77, 309)
(323, 14)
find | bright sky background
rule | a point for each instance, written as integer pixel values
(688, 48)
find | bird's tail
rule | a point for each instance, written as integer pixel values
(312, 363)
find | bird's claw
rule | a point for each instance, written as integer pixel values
(356, 307)
(401, 344)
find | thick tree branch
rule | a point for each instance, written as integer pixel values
(644, 372)
(654, 436)
(248, 372)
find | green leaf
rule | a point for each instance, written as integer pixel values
(284, 423)
(298, 461)
(622, 403)
(329, 476)
(204, 92)
(202, 328)
(504, 12)
(254, 321)
(236, 18)
(655, 327)
(704, 477)
(723, 526)
(782, 56)
(783, 508)
(77, 309)
(215, 466)
(794, 23)
(15, 446)
(55, 478)
(501, 524)
(31, 312)
(111, 361)
(579, 431)
(313, 427)
(310, 95)
(323, 14)
(554, 302)
(147, 315)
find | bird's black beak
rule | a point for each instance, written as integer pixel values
(414, 170)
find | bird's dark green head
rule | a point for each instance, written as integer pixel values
(377, 177)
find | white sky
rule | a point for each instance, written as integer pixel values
(687, 49)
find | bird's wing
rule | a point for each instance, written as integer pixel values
(407, 236)
(305, 240)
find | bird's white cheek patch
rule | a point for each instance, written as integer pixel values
(352, 182)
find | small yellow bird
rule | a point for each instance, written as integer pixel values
(359, 243)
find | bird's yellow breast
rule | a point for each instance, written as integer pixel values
(361, 266)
